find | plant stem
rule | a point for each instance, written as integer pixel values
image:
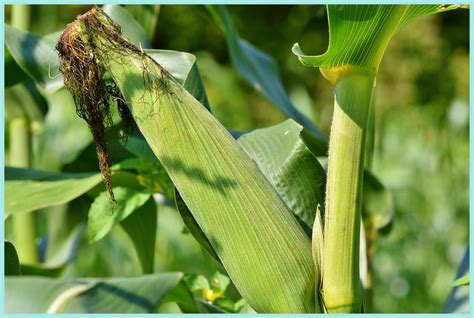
(342, 292)
(20, 17)
(24, 224)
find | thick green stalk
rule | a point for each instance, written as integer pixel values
(24, 224)
(342, 291)
(20, 18)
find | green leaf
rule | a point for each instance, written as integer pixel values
(196, 282)
(193, 226)
(184, 68)
(102, 216)
(210, 308)
(15, 73)
(42, 65)
(462, 281)
(261, 71)
(36, 56)
(417, 11)
(232, 201)
(219, 281)
(63, 136)
(131, 29)
(141, 227)
(359, 34)
(282, 157)
(147, 16)
(182, 296)
(43, 189)
(86, 295)
(12, 263)
(22, 100)
(41, 270)
(458, 299)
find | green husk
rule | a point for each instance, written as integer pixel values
(258, 240)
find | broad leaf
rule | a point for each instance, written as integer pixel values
(130, 27)
(103, 216)
(287, 163)
(280, 155)
(184, 68)
(359, 34)
(63, 136)
(416, 11)
(261, 71)
(43, 189)
(24, 100)
(14, 73)
(236, 207)
(141, 228)
(87, 295)
(182, 296)
(36, 56)
(147, 16)
(193, 226)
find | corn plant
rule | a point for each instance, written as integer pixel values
(239, 199)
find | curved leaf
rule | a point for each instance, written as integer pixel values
(359, 34)
(193, 226)
(141, 228)
(43, 189)
(261, 71)
(130, 27)
(14, 73)
(87, 295)
(102, 216)
(287, 163)
(36, 56)
(12, 262)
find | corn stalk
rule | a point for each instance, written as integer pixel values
(358, 38)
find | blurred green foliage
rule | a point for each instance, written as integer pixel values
(421, 151)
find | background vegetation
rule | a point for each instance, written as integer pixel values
(421, 148)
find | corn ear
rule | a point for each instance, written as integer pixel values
(259, 242)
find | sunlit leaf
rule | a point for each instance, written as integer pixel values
(282, 157)
(43, 189)
(103, 216)
(359, 34)
(88, 295)
(130, 27)
(462, 281)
